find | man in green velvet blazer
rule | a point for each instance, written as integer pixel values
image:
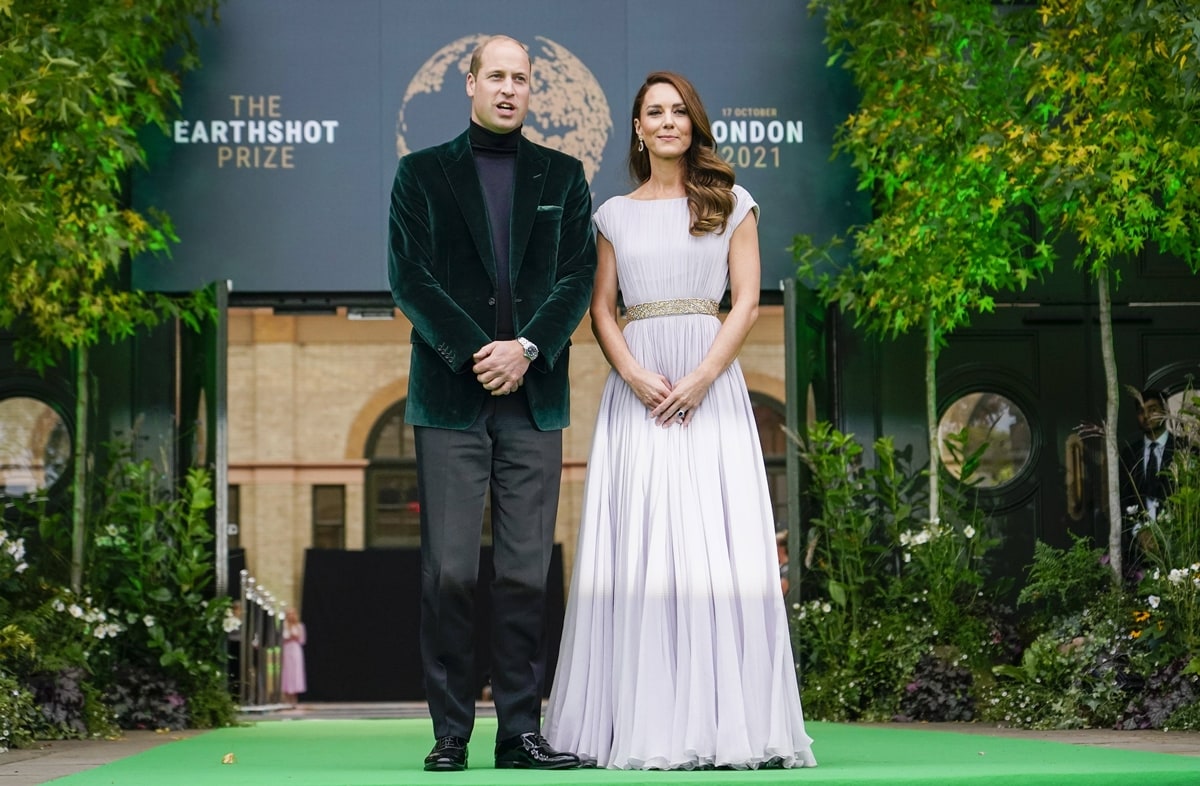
(492, 257)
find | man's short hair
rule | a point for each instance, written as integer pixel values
(1153, 394)
(477, 55)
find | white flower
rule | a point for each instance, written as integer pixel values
(825, 607)
(1153, 601)
(21, 567)
(969, 531)
(908, 556)
(1176, 576)
(148, 620)
(922, 537)
(1129, 511)
(58, 605)
(107, 630)
(232, 623)
(75, 611)
(905, 538)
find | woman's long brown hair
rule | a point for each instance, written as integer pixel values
(707, 178)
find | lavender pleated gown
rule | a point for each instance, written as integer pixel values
(675, 650)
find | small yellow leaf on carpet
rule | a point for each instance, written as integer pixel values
(228, 759)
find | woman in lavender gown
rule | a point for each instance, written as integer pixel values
(676, 652)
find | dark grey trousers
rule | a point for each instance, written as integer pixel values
(502, 452)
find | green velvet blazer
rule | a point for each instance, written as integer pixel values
(443, 276)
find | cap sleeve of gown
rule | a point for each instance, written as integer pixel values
(743, 204)
(600, 220)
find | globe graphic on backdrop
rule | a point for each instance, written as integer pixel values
(567, 109)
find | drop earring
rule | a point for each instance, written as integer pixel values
(641, 145)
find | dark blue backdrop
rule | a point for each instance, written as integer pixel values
(333, 92)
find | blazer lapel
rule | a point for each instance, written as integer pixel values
(529, 180)
(463, 177)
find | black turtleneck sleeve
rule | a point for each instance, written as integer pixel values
(496, 161)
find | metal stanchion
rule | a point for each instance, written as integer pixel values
(261, 651)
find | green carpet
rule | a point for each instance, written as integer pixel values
(387, 752)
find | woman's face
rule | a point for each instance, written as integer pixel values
(663, 123)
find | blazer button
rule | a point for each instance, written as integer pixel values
(491, 301)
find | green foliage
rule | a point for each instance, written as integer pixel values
(1076, 674)
(78, 79)
(18, 716)
(939, 91)
(144, 644)
(885, 590)
(1169, 589)
(1101, 656)
(1062, 583)
(151, 559)
(1186, 718)
(1110, 134)
(49, 643)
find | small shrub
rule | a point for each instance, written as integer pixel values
(941, 690)
(61, 699)
(18, 715)
(1164, 693)
(145, 699)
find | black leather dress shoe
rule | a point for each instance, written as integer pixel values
(530, 751)
(449, 754)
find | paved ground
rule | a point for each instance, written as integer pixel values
(50, 760)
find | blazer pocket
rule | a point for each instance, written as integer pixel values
(548, 213)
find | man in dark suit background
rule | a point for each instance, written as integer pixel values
(1145, 482)
(492, 257)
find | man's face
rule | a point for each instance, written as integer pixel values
(1151, 417)
(500, 92)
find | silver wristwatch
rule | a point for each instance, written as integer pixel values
(531, 350)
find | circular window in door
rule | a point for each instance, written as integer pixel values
(994, 423)
(35, 446)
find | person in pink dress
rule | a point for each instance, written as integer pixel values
(294, 636)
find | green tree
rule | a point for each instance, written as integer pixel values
(1112, 142)
(78, 80)
(939, 97)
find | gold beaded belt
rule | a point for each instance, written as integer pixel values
(668, 308)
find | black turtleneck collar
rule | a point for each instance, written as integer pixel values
(490, 141)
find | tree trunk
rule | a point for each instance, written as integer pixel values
(79, 509)
(935, 452)
(1111, 393)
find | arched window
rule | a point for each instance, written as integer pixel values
(770, 416)
(35, 446)
(992, 419)
(393, 511)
